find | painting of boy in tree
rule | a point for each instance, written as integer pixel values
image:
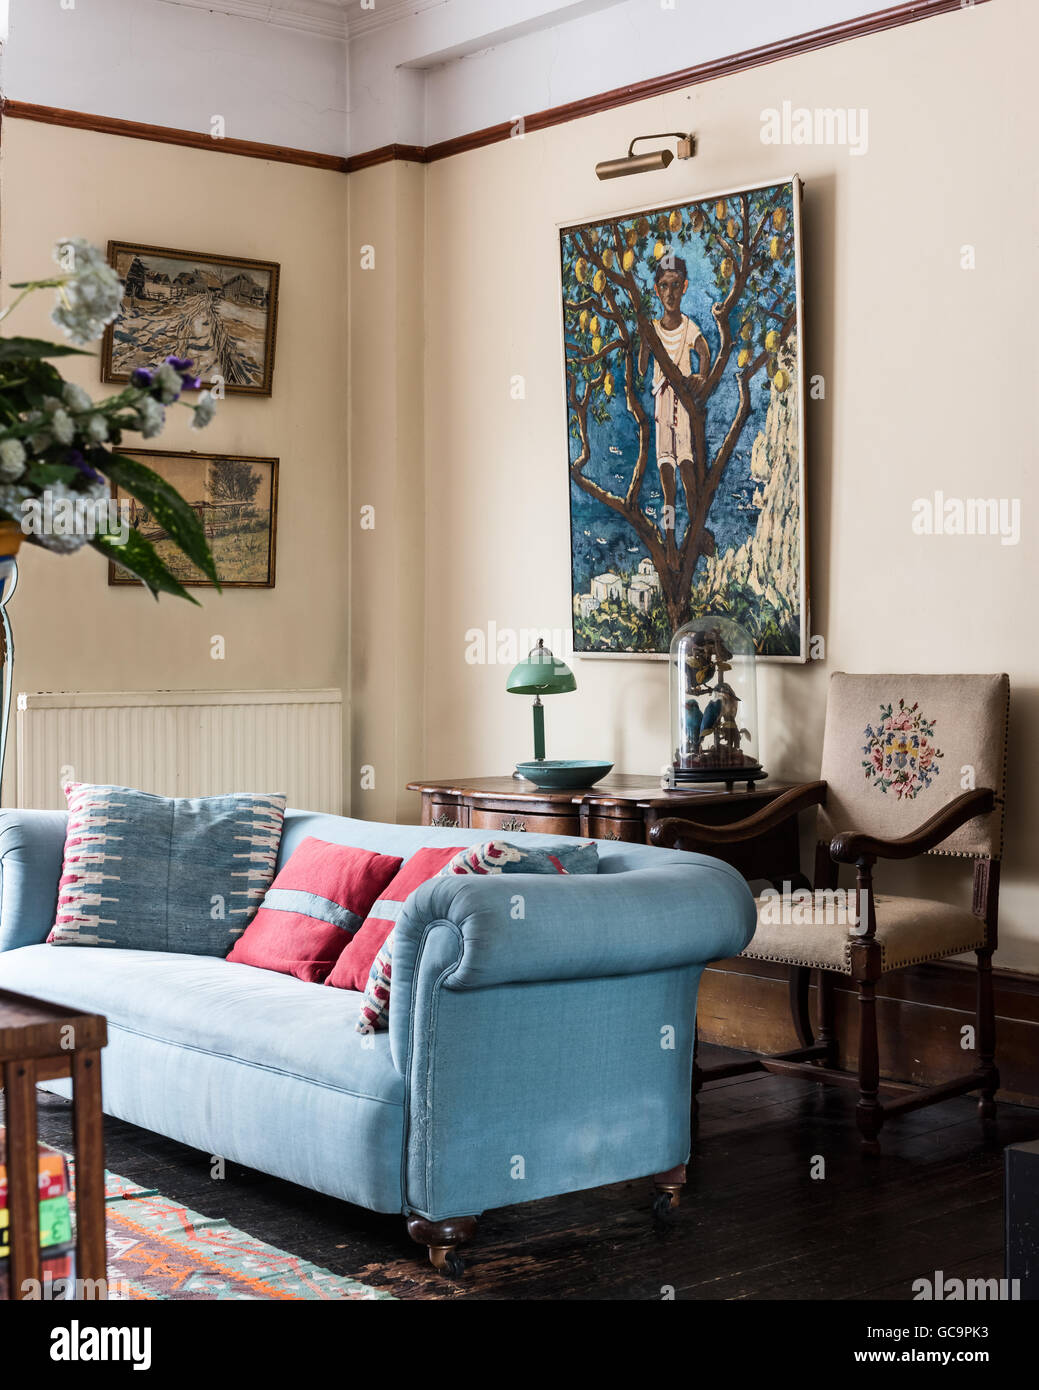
(685, 421)
(680, 338)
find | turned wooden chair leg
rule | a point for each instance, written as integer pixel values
(826, 1032)
(868, 1113)
(986, 1039)
(442, 1239)
(799, 982)
(668, 1188)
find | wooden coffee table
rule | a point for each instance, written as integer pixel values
(40, 1042)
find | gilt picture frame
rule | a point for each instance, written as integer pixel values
(683, 367)
(235, 497)
(221, 312)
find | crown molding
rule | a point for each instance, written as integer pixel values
(908, 12)
(328, 18)
(334, 19)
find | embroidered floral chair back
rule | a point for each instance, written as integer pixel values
(897, 749)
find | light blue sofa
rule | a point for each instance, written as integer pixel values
(540, 1041)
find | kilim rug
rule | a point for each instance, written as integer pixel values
(160, 1249)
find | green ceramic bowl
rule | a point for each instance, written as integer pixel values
(563, 776)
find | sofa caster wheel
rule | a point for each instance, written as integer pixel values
(665, 1205)
(668, 1192)
(447, 1260)
(442, 1239)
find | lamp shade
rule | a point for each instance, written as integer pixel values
(541, 674)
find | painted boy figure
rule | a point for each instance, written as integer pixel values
(680, 337)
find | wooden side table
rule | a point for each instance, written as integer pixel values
(620, 807)
(40, 1042)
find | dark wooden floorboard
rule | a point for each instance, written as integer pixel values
(753, 1224)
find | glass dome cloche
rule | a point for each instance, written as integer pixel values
(714, 704)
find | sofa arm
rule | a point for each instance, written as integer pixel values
(32, 844)
(544, 1026)
(519, 928)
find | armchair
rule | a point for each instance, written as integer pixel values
(897, 751)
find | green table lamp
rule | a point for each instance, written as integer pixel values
(541, 674)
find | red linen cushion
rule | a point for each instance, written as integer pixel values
(354, 965)
(313, 908)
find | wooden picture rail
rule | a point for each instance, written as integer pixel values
(893, 17)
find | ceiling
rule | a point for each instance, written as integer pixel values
(344, 18)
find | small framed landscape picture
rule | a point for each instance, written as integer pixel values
(219, 311)
(234, 496)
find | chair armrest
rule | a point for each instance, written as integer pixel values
(32, 845)
(679, 832)
(849, 847)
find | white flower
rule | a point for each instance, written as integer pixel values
(150, 417)
(204, 411)
(91, 296)
(84, 523)
(169, 383)
(63, 429)
(12, 495)
(95, 427)
(76, 398)
(12, 459)
(76, 255)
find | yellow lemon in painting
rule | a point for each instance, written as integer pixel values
(596, 345)
(598, 282)
(719, 208)
(607, 384)
(775, 248)
(662, 225)
(675, 221)
(746, 330)
(583, 319)
(642, 225)
(607, 258)
(781, 380)
(779, 219)
(658, 250)
(743, 357)
(631, 236)
(730, 227)
(580, 269)
(727, 267)
(697, 221)
(629, 260)
(771, 340)
(593, 235)
(593, 326)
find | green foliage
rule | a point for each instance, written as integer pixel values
(616, 626)
(167, 507)
(29, 349)
(138, 556)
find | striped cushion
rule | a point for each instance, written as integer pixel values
(354, 965)
(157, 873)
(490, 857)
(313, 908)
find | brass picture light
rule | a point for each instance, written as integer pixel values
(633, 163)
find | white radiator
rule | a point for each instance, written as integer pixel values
(184, 743)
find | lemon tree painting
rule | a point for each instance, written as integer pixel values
(235, 499)
(681, 340)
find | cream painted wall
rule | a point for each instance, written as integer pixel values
(928, 371)
(71, 629)
(387, 351)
